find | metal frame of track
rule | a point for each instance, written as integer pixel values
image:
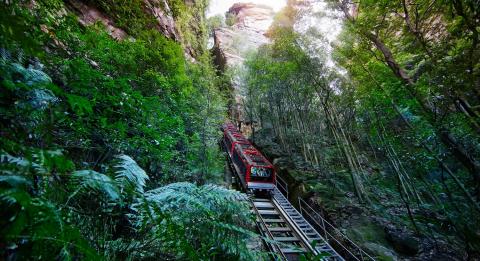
(287, 233)
(308, 233)
(284, 240)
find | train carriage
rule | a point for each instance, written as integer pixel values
(231, 139)
(255, 172)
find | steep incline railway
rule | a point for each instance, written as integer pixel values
(289, 234)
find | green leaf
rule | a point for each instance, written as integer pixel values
(79, 104)
(89, 180)
(130, 175)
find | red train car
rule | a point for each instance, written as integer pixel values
(255, 172)
(232, 138)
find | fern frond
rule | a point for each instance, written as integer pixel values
(40, 99)
(15, 181)
(130, 175)
(22, 164)
(89, 180)
(180, 187)
(31, 76)
(18, 161)
(5, 55)
(223, 193)
(177, 196)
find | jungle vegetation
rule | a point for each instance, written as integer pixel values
(395, 122)
(108, 148)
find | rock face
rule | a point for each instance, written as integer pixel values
(232, 44)
(158, 9)
(88, 15)
(163, 15)
(247, 33)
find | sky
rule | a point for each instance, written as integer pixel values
(222, 6)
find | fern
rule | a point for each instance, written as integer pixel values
(180, 220)
(35, 225)
(15, 181)
(129, 175)
(210, 214)
(40, 99)
(20, 164)
(5, 55)
(89, 180)
(31, 76)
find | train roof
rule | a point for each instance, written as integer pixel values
(252, 155)
(235, 136)
(229, 127)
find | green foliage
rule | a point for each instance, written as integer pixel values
(128, 15)
(136, 16)
(88, 181)
(399, 126)
(178, 7)
(79, 104)
(181, 220)
(206, 212)
(130, 175)
(192, 26)
(215, 22)
(34, 226)
(71, 99)
(230, 19)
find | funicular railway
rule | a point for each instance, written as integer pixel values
(289, 235)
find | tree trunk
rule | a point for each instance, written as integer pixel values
(460, 153)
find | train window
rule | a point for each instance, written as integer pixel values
(260, 172)
(228, 143)
(238, 161)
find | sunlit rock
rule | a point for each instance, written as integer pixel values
(233, 43)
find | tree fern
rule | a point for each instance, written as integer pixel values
(129, 175)
(92, 181)
(180, 220)
(20, 164)
(207, 214)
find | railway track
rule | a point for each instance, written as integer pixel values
(288, 235)
(286, 232)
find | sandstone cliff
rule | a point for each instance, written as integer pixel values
(246, 34)
(184, 28)
(232, 45)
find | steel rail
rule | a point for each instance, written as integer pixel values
(297, 230)
(266, 232)
(363, 255)
(288, 241)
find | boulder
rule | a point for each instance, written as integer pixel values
(380, 252)
(402, 240)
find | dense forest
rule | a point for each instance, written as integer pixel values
(109, 129)
(388, 134)
(109, 148)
